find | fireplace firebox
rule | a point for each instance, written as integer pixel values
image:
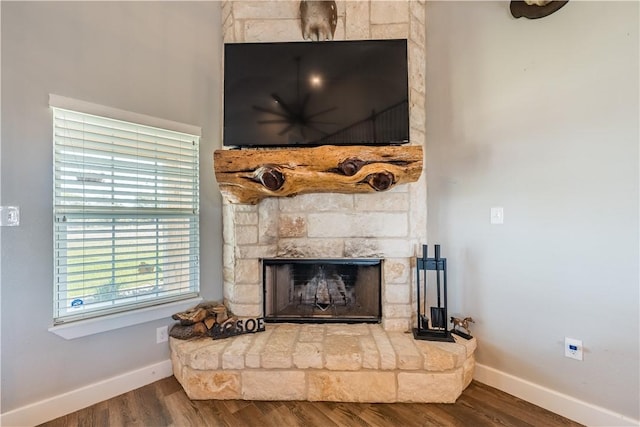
(345, 290)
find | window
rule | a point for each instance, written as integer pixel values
(126, 221)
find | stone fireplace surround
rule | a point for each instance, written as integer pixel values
(389, 224)
(333, 362)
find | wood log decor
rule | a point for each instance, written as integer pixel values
(249, 175)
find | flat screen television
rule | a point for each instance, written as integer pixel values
(316, 93)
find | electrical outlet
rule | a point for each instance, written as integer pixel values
(162, 334)
(573, 348)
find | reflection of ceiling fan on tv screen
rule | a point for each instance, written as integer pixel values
(295, 115)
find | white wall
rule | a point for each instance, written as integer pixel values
(157, 58)
(540, 117)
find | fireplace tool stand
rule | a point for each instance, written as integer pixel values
(433, 328)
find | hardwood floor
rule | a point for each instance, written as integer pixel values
(164, 403)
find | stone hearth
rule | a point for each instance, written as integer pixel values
(323, 362)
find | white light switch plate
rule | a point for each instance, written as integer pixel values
(9, 216)
(497, 215)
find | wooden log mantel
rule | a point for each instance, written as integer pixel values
(249, 175)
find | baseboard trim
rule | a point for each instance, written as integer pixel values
(66, 403)
(562, 404)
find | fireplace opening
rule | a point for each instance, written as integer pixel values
(322, 290)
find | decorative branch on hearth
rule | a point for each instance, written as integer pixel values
(212, 319)
(248, 176)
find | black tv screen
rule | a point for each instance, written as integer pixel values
(316, 93)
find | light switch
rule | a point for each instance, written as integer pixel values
(9, 216)
(497, 215)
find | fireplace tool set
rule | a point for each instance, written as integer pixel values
(432, 320)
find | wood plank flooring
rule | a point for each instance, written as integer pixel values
(164, 403)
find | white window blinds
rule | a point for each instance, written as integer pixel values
(126, 223)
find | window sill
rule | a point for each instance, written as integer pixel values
(83, 328)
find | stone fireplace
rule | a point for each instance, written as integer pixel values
(350, 361)
(389, 225)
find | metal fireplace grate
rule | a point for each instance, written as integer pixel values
(345, 290)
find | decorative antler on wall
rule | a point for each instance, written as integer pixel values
(319, 19)
(534, 9)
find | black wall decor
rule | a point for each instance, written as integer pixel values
(520, 8)
(432, 297)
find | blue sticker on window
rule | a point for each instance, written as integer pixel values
(77, 302)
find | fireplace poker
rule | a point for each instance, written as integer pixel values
(437, 313)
